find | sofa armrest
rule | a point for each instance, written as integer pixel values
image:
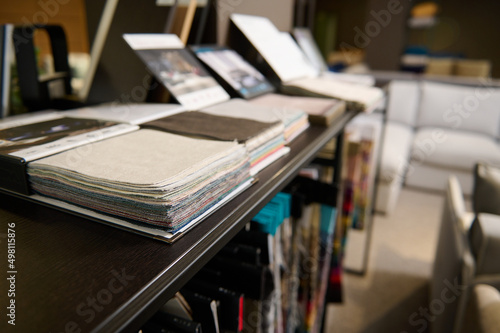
(396, 148)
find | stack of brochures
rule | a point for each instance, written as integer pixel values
(147, 176)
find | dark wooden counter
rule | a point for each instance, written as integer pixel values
(76, 275)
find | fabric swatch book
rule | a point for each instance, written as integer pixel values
(228, 65)
(148, 181)
(290, 65)
(25, 139)
(293, 122)
(260, 132)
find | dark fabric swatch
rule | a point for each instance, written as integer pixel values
(210, 126)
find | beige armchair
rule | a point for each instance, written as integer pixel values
(466, 255)
(454, 265)
(483, 310)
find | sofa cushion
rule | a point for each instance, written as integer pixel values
(403, 101)
(484, 236)
(486, 193)
(453, 149)
(432, 177)
(395, 151)
(475, 109)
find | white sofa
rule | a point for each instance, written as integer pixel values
(434, 130)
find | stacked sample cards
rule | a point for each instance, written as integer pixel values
(321, 111)
(157, 178)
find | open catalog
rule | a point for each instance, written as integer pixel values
(290, 65)
(243, 80)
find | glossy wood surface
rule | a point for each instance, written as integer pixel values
(76, 275)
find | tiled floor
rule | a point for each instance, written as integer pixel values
(399, 266)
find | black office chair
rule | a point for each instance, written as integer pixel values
(40, 92)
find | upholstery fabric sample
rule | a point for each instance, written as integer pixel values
(210, 126)
(147, 176)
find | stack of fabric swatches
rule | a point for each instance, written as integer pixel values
(158, 178)
(260, 131)
(294, 119)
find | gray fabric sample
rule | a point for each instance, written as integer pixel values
(146, 176)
